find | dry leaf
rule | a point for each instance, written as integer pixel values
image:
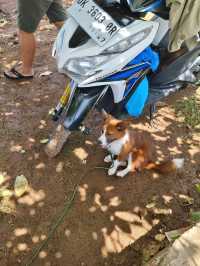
(151, 205)
(10, 65)
(186, 200)
(7, 206)
(3, 22)
(2, 178)
(21, 185)
(4, 192)
(160, 237)
(51, 111)
(197, 187)
(46, 73)
(44, 141)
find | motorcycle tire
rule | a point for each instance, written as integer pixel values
(57, 141)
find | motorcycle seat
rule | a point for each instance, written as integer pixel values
(157, 7)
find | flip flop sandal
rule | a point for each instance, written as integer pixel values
(18, 76)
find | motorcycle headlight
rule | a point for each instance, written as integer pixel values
(85, 66)
(129, 42)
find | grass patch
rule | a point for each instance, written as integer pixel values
(189, 110)
(195, 216)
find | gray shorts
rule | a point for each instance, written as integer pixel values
(30, 12)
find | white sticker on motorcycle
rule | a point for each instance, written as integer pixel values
(94, 20)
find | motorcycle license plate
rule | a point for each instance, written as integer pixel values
(94, 20)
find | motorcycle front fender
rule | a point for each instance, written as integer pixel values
(83, 100)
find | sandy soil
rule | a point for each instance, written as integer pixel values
(108, 213)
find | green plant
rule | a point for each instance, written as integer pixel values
(189, 110)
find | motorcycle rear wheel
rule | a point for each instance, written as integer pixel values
(57, 141)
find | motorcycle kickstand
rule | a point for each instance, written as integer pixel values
(152, 111)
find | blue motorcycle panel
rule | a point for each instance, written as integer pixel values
(137, 101)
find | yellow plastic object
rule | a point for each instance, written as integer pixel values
(65, 97)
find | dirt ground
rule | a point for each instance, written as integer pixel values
(108, 213)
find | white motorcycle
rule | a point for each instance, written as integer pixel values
(113, 53)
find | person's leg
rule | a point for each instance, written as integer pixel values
(27, 51)
(57, 16)
(27, 40)
(29, 15)
(27, 54)
(56, 13)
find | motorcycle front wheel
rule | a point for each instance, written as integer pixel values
(57, 141)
